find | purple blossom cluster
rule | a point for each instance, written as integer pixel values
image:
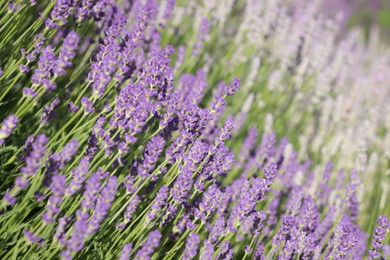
(8, 125)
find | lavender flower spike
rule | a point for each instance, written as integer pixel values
(378, 237)
(191, 246)
(8, 125)
(33, 161)
(67, 52)
(158, 203)
(234, 85)
(58, 189)
(78, 177)
(126, 250)
(149, 246)
(103, 205)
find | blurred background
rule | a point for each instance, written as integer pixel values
(365, 13)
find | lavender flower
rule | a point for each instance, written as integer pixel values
(8, 125)
(310, 213)
(92, 188)
(72, 107)
(28, 92)
(77, 237)
(31, 237)
(217, 230)
(169, 214)
(79, 175)
(33, 161)
(68, 152)
(88, 105)
(67, 52)
(60, 230)
(202, 34)
(182, 185)
(191, 246)
(60, 13)
(225, 252)
(234, 85)
(48, 111)
(58, 189)
(225, 132)
(248, 144)
(151, 154)
(149, 246)
(130, 210)
(45, 65)
(103, 205)
(126, 250)
(210, 201)
(9, 199)
(378, 237)
(207, 251)
(158, 203)
(288, 222)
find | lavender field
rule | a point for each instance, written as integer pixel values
(204, 129)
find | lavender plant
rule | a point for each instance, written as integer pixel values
(183, 129)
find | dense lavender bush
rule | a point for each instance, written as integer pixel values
(180, 129)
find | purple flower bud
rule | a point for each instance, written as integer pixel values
(288, 222)
(217, 230)
(248, 144)
(207, 251)
(23, 68)
(60, 234)
(169, 214)
(379, 235)
(57, 188)
(310, 217)
(158, 203)
(59, 14)
(126, 250)
(45, 65)
(31, 237)
(131, 208)
(202, 34)
(88, 105)
(191, 249)
(267, 147)
(225, 132)
(259, 252)
(8, 125)
(294, 202)
(33, 161)
(149, 246)
(226, 251)
(151, 154)
(169, 6)
(39, 196)
(79, 175)
(92, 188)
(48, 111)
(69, 151)
(210, 202)
(9, 199)
(28, 92)
(234, 85)
(103, 205)
(66, 54)
(182, 186)
(76, 240)
(72, 107)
